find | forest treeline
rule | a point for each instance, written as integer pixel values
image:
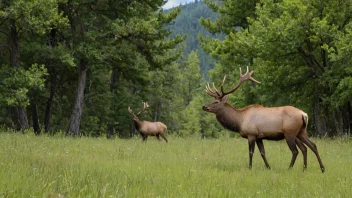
(75, 66)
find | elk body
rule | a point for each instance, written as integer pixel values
(257, 123)
(146, 128)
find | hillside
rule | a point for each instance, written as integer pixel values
(188, 23)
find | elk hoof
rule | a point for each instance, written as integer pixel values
(323, 170)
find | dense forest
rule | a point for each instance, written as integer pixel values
(75, 66)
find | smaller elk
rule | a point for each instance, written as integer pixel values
(146, 128)
(257, 123)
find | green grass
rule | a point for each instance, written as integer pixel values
(87, 167)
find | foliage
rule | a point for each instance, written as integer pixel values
(197, 122)
(192, 119)
(233, 15)
(37, 15)
(16, 83)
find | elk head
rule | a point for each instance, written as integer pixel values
(221, 97)
(135, 117)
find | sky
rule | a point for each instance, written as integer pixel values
(175, 3)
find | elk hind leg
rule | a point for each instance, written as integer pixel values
(304, 152)
(260, 146)
(163, 136)
(304, 138)
(292, 145)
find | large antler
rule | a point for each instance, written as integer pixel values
(130, 111)
(145, 106)
(217, 94)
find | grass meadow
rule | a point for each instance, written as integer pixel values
(61, 167)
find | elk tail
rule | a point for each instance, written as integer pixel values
(305, 119)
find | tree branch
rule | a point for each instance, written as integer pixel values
(2, 22)
(306, 58)
(4, 46)
(318, 63)
(4, 33)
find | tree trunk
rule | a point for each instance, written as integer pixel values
(76, 115)
(49, 102)
(113, 84)
(53, 85)
(319, 121)
(349, 119)
(132, 130)
(21, 116)
(157, 111)
(35, 118)
(338, 121)
(346, 117)
(20, 112)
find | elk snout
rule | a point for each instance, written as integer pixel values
(205, 108)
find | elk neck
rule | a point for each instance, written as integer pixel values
(230, 118)
(137, 123)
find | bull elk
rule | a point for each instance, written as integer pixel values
(146, 128)
(257, 123)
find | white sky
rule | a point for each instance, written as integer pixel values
(175, 3)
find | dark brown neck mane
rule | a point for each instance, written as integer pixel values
(229, 118)
(137, 123)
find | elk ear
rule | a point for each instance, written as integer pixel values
(225, 99)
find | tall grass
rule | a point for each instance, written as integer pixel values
(85, 167)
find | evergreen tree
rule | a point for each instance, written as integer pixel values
(192, 119)
(188, 22)
(20, 20)
(191, 77)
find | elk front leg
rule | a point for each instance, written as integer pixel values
(262, 152)
(163, 136)
(251, 146)
(144, 138)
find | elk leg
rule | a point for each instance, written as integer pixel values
(251, 146)
(314, 148)
(292, 145)
(262, 151)
(163, 136)
(145, 138)
(304, 152)
(158, 137)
